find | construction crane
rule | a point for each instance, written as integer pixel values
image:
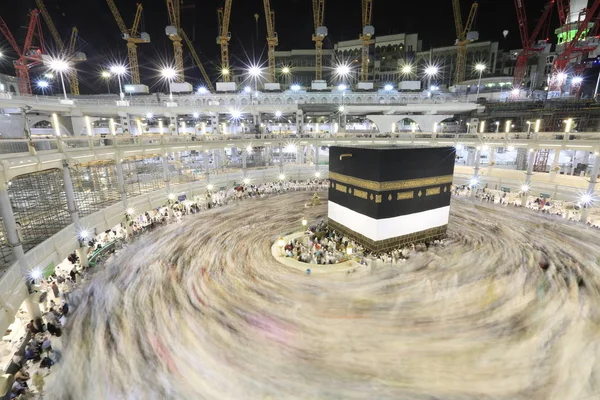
(172, 32)
(272, 39)
(574, 47)
(319, 35)
(192, 50)
(464, 36)
(72, 79)
(367, 33)
(531, 45)
(224, 15)
(132, 36)
(28, 56)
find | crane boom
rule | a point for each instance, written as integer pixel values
(368, 32)
(528, 41)
(70, 51)
(319, 35)
(9, 37)
(561, 61)
(50, 24)
(173, 33)
(28, 57)
(136, 21)
(272, 40)
(192, 50)
(462, 38)
(117, 17)
(224, 15)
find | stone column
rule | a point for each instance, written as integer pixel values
(528, 175)
(13, 239)
(173, 126)
(244, 160)
(299, 122)
(585, 214)
(166, 175)
(476, 170)
(205, 161)
(317, 148)
(123, 191)
(72, 207)
(214, 123)
(125, 125)
(492, 159)
(471, 156)
(280, 156)
(555, 161)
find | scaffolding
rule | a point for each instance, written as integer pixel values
(40, 206)
(6, 254)
(143, 175)
(552, 113)
(95, 186)
(541, 160)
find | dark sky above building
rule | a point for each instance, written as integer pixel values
(100, 36)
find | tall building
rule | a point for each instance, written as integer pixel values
(445, 59)
(302, 66)
(387, 55)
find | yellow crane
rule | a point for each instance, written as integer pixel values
(272, 39)
(224, 15)
(172, 32)
(192, 50)
(132, 36)
(463, 37)
(319, 36)
(72, 79)
(367, 34)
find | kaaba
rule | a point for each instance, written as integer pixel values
(388, 197)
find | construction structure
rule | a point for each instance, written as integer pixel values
(224, 15)
(196, 59)
(272, 40)
(67, 51)
(28, 55)
(532, 43)
(173, 32)
(367, 33)
(132, 36)
(575, 38)
(464, 36)
(320, 34)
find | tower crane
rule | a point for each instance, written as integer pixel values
(573, 47)
(464, 36)
(28, 56)
(132, 36)
(319, 35)
(272, 39)
(531, 45)
(367, 33)
(192, 50)
(72, 79)
(172, 32)
(224, 15)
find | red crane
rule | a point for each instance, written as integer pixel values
(531, 44)
(29, 56)
(574, 47)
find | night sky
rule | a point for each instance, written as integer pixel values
(100, 36)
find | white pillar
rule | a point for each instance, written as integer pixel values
(167, 178)
(555, 161)
(72, 207)
(122, 190)
(585, 214)
(476, 170)
(12, 236)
